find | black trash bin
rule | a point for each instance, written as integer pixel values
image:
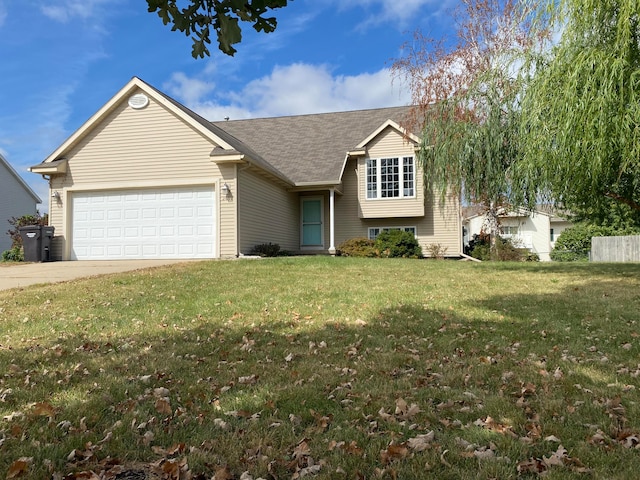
(47, 236)
(36, 241)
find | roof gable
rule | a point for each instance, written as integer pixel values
(222, 139)
(389, 124)
(19, 179)
(134, 85)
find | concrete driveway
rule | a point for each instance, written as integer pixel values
(23, 275)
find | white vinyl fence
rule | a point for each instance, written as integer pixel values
(615, 249)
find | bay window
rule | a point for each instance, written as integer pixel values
(390, 177)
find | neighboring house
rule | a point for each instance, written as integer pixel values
(145, 177)
(536, 231)
(16, 199)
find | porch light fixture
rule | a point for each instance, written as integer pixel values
(56, 195)
(225, 190)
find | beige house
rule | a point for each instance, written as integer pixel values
(145, 177)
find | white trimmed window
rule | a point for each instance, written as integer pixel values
(390, 177)
(509, 230)
(375, 231)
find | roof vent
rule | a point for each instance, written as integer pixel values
(138, 101)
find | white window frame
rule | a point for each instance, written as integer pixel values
(404, 183)
(509, 230)
(373, 232)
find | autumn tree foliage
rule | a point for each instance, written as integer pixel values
(466, 93)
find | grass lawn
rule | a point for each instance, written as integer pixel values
(325, 368)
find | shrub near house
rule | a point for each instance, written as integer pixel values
(393, 243)
(574, 244)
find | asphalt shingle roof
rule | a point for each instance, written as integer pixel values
(309, 148)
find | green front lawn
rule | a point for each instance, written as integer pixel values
(324, 368)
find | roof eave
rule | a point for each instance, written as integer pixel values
(56, 167)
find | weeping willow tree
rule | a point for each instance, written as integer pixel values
(467, 104)
(580, 115)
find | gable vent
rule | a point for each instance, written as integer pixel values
(138, 101)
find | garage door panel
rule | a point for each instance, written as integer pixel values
(165, 223)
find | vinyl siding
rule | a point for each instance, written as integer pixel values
(389, 143)
(144, 148)
(15, 201)
(266, 213)
(440, 223)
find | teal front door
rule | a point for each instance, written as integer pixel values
(312, 228)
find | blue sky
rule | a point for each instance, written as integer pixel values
(61, 60)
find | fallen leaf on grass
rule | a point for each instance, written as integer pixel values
(559, 458)
(322, 421)
(248, 380)
(484, 454)
(172, 469)
(43, 409)
(405, 411)
(175, 449)
(351, 448)
(421, 442)
(556, 458)
(163, 406)
(394, 452)
(223, 473)
(86, 475)
(19, 467)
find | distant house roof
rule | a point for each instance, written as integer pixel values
(20, 180)
(473, 211)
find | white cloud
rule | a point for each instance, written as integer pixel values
(402, 13)
(291, 90)
(189, 90)
(65, 10)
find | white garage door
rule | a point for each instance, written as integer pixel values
(130, 224)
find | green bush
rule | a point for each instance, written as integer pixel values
(15, 254)
(574, 243)
(506, 251)
(481, 252)
(357, 247)
(397, 243)
(266, 250)
(479, 247)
